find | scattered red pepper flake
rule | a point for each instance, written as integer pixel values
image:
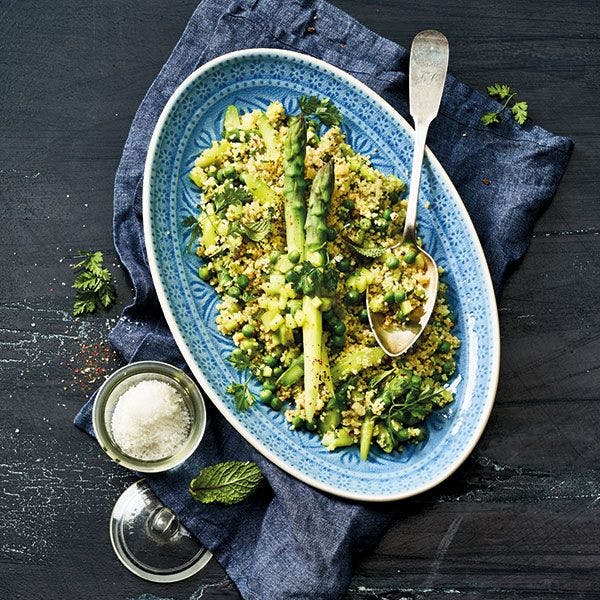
(486, 181)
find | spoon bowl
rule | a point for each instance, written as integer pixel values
(395, 340)
(427, 74)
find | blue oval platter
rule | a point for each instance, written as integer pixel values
(191, 119)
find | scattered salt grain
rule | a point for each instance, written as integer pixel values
(150, 420)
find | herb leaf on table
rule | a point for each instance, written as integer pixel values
(228, 482)
(93, 284)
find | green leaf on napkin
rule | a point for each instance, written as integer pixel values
(505, 94)
(228, 482)
(519, 111)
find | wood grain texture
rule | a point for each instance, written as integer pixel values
(519, 520)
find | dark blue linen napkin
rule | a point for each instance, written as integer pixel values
(290, 541)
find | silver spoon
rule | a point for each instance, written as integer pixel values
(426, 77)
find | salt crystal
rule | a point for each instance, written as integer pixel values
(150, 420)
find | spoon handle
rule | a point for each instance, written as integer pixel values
(426, 77)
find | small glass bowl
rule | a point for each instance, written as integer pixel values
(120, 381)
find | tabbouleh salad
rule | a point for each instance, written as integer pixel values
(292, 228)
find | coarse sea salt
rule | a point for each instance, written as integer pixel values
(150, 421)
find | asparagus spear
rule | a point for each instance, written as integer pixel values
(317, 375)
(294, 185)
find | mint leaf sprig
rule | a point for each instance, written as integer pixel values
(227, 482)
(505, 94)
(93, 284)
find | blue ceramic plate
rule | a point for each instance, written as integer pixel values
(191, 119)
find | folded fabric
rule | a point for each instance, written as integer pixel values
(290, 541)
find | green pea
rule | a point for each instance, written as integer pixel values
(270, 385)
(276, 403)
(352, 297)
(229, 172)
(242, 281)
(449, 367)
(339, 328)
(415, 380)
(365, 224)
(444, 347)
(392, 262)
(298, 422)
(338, 341)
(344, 265)
(410, 256)
(294, 257)
(389, 297)
(265, 395)
(328, 315)
(364, 315)
(399, 295)
(234, 291)
(380, 224)
(387, 214)
(204, 273)
(270, 361)
(349, 204)
(277, 371)
(248, 330)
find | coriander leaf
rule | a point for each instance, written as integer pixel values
(322, 109)
(227, 482)
(489, 118)
(239, 359)
(499, 90)
(243, 397)
(519, 111)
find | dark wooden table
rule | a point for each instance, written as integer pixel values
(519, 520)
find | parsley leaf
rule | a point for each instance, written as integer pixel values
(519, 111)
(93, 284)
(243, 397)
(239, 359)
(499, 90)
(322, 109)
(505, 94)
(228, 482)
(489, 118)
